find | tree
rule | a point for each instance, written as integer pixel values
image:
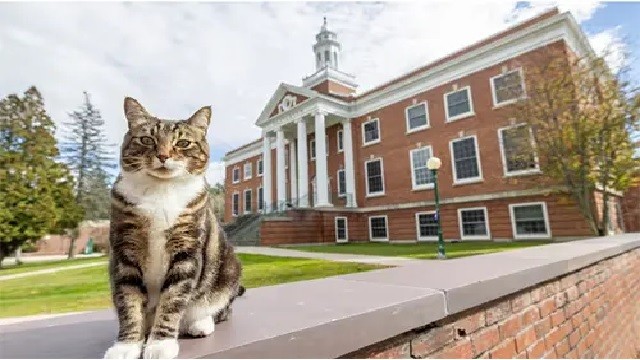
(217, 200)
(34, 188)
(582, 115)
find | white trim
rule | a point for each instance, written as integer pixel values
(244, 201)
(346, 229)
(386, 224)
(486, 224)
(364, 143)
(338, 182)
(233, 172)
(459, 116)
(478, 178)
(259, 171)
(545, 213)
(414, 186)
(244, 171)
(238, 203)
(493, 89)
(312, 149)
(366, 177)
(506, 171)
(418, 236)
(426, 114)
(340, 149)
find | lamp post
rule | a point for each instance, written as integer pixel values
(434, 164)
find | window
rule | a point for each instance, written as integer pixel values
(326, 145)
(474, 224)
(259, 166)
(530, 220)
(378, 228)
(417, 117)
(516, 148)
(247, 201)
(248, 171)
(327, 58)
(371, 132)
(340, 141)
(335, 59)
(235, 204)
(236, 175)
(312, 149)
(342, 232)
(507, 88)
(421, 177)
(286, 159)
(375, 177)
(466, 163)
(457, 104)
(260, 199)
(427, 226)
(342, 183)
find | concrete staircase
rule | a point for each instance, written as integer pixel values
(245, 231)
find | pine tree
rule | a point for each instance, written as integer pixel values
(34, 188)
(89, 156)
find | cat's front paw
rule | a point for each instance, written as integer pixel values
(202, 327)
(161, 349)
(124, 350)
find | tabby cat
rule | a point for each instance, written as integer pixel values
(172, 270)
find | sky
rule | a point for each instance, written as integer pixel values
(175, 57)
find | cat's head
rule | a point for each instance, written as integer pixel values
(164, 149)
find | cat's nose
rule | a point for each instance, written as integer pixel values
(163, 158)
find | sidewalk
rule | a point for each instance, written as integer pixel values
(50, 271)
(32, 258)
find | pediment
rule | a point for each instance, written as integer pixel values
(285, 98)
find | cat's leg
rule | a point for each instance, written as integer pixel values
(129, 298)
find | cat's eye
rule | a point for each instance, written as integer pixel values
(147, 140)
(183, 143)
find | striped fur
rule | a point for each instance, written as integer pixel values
(171, 268)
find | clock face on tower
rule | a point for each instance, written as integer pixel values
(287, 103)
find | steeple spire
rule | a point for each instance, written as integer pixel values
(327, 48)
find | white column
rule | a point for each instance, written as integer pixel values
(280, 175)
(321, 162)
(266, 173)
(349, 173)
(303, 174)
(293, 172)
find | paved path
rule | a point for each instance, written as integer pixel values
(370, 259)
(34, 258)
(50, 271)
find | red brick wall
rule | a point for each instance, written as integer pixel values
(327, 87)
(631, 209)
(590, 313)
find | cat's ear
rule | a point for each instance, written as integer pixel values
(135, 113)
(201, 118)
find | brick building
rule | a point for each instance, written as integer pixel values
(367, 181)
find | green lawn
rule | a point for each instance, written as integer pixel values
(41, 265)
(427, 250)
(88, 288)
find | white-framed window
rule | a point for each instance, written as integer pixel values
(517, 150)
(530, 220)
(426, 226)
(458, 104)
(465, 160)
(340, 141)
(326, 145)
(312, 149)
(235, 174)
(421, 177)
(378, 228)
(474, 223)
(342, 229)
(286, 159)
(417, 117)
(248, 171)
(247, 201)
(259, 167)
(235, 204)
(260, 198)
(342, 183)
(371, 132)
(374, 172)
(508, 87)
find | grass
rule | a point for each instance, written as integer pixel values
(420, 250)
(88, 288)
(42, 265)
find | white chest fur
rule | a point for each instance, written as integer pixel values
(162, 201)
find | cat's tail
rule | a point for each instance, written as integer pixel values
(241, 290)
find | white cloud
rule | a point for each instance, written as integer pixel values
(177, 57)
(610, 44)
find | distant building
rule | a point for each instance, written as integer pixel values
(341, 166)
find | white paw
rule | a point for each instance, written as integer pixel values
(202, 327)
(161, 349)
(124, 350)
